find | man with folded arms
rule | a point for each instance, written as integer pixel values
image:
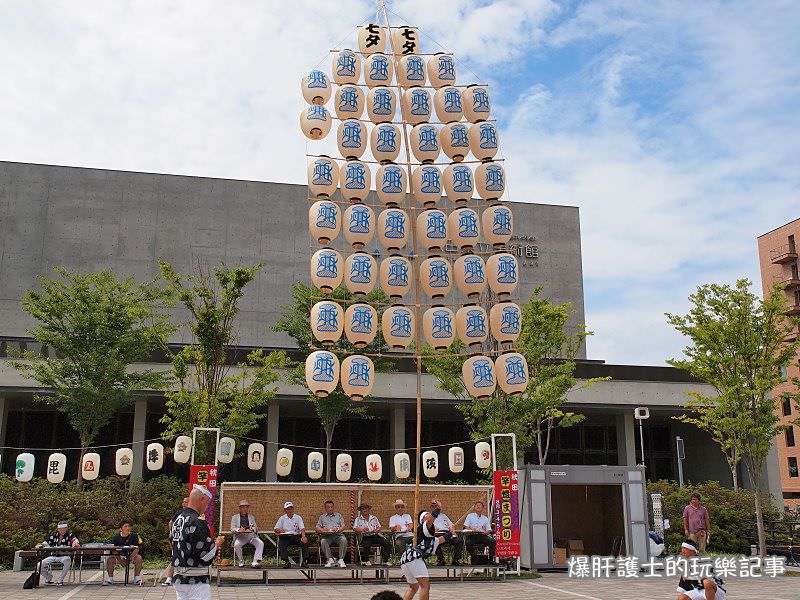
(330, 526)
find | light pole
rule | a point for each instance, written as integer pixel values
(681, 452)
(641, 413)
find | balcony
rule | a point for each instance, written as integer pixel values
(792, 335)
(793, 310)
(783, 254)
(787, 282)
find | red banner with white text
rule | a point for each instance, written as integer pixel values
(206, 476)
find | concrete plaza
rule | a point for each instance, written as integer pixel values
(552, 586)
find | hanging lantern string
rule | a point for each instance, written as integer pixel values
(476, 352)
(88, 448)
(376, 162)
(373, 450)
(466, 302)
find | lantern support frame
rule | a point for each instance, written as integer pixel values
(194, 442)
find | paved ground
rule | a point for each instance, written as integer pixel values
(552, 586)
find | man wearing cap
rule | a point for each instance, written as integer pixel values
(292, 532)
(704, 588)
(402, 525)
(369, 527)
(412, 561)
(330, 526)
(62, 538)
(193, 549)
(245, 531)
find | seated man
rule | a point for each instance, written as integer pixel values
(707, 588)
(369, 527)
(245, 531)
(125, 537)
(292, 533)
(62, 538)
(330, 526)
(478, 531)
(402, 525)
(443, 524)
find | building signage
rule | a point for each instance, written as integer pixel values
(506, 513)
(206, 476)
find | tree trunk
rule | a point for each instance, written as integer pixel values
(539, 446)
(735, 476)
(754, 470)
(328, 442)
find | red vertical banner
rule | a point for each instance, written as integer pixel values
(506, 513)
(206, 476)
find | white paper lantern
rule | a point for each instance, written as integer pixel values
(182, 451)
(315, 121)
(405, 40)
(384, 142)
(462, 228)
(361, 274)
(432, 230)
(358, 225)
(472, 325)
(316, 465)
(327, 322)
(435, 277)
(391, 184)
(503, 273)
(498, 225)
(345, 67)
(355, 178)
(226, 449)
(323, 177)
(123, 461)
(455, 458)
(454, 140)
(326, 270)
(512, 372)
(316, 87)
(396, 276)
(357, 376)
(324, 221)
(378, 70)
(506, 321)
(483, 140)
(381, 104)
(490, 180)
(348, 102)
(255, 456)
(410, 71)
(393, 229)
(442, 70)
(322, 373)
(90, 466)
(479, 376)
(426, 185)
(458, 183)
(402, 465)
(344, 467)
(352, 140)
(374, 467)
(56, 467)
(430, 464)
(24, 466)
(447, 102)
(154, 456)
(476, 103)
(360, 324)
(483, 455)
(438, 325)
(283, 462)
(397, 325)
(415, 105)
(424, 141)
(372, 38)
(469, 272)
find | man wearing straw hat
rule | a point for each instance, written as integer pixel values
(245, 531)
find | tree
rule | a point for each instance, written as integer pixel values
(208, 394)
(739, 345)
(294, 322)
(550, 350)
(95, 326)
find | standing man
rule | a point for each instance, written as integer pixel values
(292, 532)
(369, 527)
(193, 550)
(245, 531)
(402, 525)
(61, 538)
(412, 561)
(697, 523)
(171, 568)
(443, 524)
(125, 537)
(330, 526)
(479, 530)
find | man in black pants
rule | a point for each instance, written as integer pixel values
(478, 531)
(443, 525)
(292, 532)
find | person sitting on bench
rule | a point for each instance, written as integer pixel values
(479, 531)
(292, 533)
(369, 527)
(402, 525)
(245, 531)
(60, 538)
(443, 524)
(330, 526)
(125, 537)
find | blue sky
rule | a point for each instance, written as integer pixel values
(673, 124)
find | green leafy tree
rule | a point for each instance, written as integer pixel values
(209, 393)
(550, 350)
(95, 326)
(294, 322)
(738, 344)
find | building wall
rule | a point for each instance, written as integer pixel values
(777, 253)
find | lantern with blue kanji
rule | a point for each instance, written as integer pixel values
(502, 271)
(432, 230)
(360, 274)
(324, 221)
(354, 180)
(438, 325)
(397, 325)
(436, 277)
(391, 184)
(410, 71)
(472, 325)
(447, 102)
(483, 140)
(322, 373)
(416, 105)
(505, 319)
(498, 225)
(442, 70)
(378, 70)
(357, 376)
(426, 185)
(348, 102)
(360, 324)
(316, 87)
(490, 180)
(393, 229)
(454, 140)
(395, 276)
(358, 225)
(351, 137)
(315, 121)
(326, 270)
(479, 377)
(511, 370)
(469, 271)
(476, 103)
(462, 228)
(458, 183)
(327, 322)
(424, 140)
(345, 67)
(381, 104)
(384, 141)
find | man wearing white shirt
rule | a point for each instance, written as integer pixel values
(369, 527)
(402, 525)
(479, 531)
(292, 532)
(443, 524)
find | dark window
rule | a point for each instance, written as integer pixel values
(790, 437)
(791, 244)
(792, 466)
(787, 407)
